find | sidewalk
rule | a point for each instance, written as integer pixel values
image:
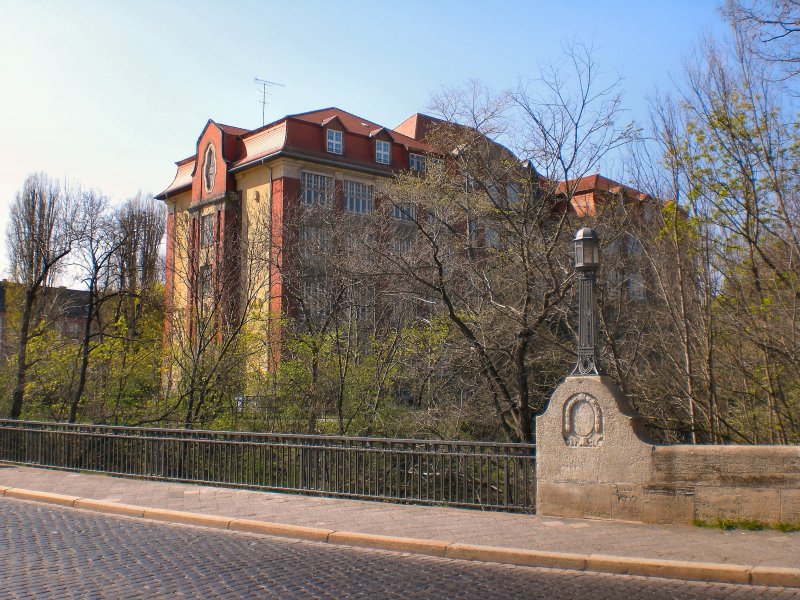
(450, 525)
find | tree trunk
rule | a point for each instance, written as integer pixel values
(87, 332)
(523, 408)
(22, 365)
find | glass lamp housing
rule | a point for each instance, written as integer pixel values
(587, 250)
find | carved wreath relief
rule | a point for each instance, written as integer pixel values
(583, 421)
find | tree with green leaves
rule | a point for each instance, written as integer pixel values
(39, 237)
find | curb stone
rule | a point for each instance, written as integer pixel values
(48, 497)
(387, 542)
(280, 530)
(672, 569)
(513, 556)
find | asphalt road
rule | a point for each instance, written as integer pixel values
(50, 552)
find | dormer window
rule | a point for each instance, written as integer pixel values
(383, 152)
(334, 141)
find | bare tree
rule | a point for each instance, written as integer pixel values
(39, 236)
(140, 226)
(338, 345)
(724, 259)
(217, 324)
(98, 243)
(770, 29)
(488, 234)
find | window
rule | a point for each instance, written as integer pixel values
(357, 197)
(334, 141)
(205, 282)
(309, 234)
(512, 192)
(473, 233)
(316, 189)
(404, 212)
(636, 287)
(207, 231)
(312, 296)
(313, 240)
(383, 152)
(491, 239)
(416, 162)
(402, 246)
(361, 303)
(633, 247)
(358, 244)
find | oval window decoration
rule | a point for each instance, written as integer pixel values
(209, 167)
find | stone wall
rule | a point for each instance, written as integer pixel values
(594, 459)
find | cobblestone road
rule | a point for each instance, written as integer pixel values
(483, 528)
(49, 552)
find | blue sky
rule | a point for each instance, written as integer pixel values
(109, 94)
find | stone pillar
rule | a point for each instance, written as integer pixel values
(594, 459)
(592, 453)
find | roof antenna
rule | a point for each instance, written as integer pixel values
(264, 93)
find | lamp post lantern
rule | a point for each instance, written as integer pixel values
(587, 262)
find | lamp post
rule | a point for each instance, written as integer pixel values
(587, 262)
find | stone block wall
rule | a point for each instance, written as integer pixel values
(594, 459)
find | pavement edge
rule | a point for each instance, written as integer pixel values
(683, 570)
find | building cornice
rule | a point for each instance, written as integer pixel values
(316, 159)
(223, 198)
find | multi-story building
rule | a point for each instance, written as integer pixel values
(237, 177)
(324, 158)
(62, 309)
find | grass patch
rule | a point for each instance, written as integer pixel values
(747, 524)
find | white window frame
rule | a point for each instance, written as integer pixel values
(316, 189)
(416, 162)
(358, 197)
(335, 141)
(404, 212)
(383, 152)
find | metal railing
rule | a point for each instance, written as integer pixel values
(487, 475)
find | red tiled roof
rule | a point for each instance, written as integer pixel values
(417, 126)
(590, 183)
(232, 130)
(251, 139)
(350, 122)
(355, 124)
